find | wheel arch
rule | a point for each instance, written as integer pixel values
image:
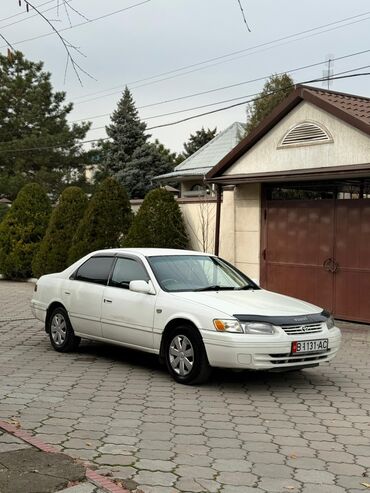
(171, 326)
(49, 311)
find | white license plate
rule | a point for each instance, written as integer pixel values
(309, 346)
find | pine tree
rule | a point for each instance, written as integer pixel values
(275, 90)
(126, 133)
(158, 223)
(53, 252)
(32, 115)
(130, 158)
(106, 220)
(22, 230)
(147, 161)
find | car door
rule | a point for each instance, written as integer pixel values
(83, 293)
(127, 316)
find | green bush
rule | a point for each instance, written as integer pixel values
(158, 223)
(53, 253)
(105, 222)
(3, 210)
(21, 231)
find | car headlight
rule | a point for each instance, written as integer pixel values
(259, 328)
(330, 322)
(227, 326)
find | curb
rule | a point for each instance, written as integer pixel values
(91, 475)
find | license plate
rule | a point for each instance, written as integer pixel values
(309, 346)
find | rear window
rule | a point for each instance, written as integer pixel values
(95, 269)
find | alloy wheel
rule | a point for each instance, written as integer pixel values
(58, 329)
(181, 355)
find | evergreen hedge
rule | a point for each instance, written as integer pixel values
(105, 222)
(158, 223)
(53, 253)
(21, 231)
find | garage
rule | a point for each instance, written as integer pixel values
(316, 244)
(294, 201)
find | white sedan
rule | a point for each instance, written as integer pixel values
(195, 310)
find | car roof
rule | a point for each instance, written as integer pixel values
(150, 252)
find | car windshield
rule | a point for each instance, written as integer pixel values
(197, 273)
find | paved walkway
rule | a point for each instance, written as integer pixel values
(24, 468)
(303, 432)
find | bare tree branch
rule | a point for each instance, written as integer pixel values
(244, 18)
(7, 42)
(68, 46)
(68, 2)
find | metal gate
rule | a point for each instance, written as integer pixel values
(319, 251)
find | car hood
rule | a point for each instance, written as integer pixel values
(257, 302)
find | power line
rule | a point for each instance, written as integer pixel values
(252, 100)
(218, 63)
(104, 16)
(258, 79)
(335, 77)
(22, 13)
(221, 57)
(222, 102)
(29, 16)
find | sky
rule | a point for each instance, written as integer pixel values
(161, 50)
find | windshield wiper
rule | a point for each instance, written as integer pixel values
(215, 287)
(247, 286)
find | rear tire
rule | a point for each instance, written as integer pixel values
(186, 357)
(62, 336)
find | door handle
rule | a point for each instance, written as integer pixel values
(107, 301)
(335, 266)
(67, 292)
(330, 265)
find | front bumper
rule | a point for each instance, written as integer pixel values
(264, 352)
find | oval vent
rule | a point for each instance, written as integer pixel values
(306, 133)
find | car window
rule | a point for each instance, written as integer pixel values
(197, 273)
(127, 270)
(95, 269)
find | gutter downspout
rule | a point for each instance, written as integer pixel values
(218, 219)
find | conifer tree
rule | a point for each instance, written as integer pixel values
(275, 90)
(22, 230)
(53, 252)
(127, 133)
(36, 141)
(130, 157)
(158, 223)
(197, 141)
(106, 220)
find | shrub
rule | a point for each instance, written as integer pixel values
(53, 252)
(105, 222)
(3, 210)
(21, 231)
(158, 223)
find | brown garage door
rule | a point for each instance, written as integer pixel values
(319, 251)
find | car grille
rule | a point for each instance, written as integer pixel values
(280, 359)
(302, 329)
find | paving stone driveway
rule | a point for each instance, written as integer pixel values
(243, 432)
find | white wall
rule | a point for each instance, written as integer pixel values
(200, 220)
(350, 146)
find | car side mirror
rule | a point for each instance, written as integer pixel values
(141, 287)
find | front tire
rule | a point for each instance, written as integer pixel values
(186, 357)
(62, 336)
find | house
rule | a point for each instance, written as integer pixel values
(191, 172)
(295, 208)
